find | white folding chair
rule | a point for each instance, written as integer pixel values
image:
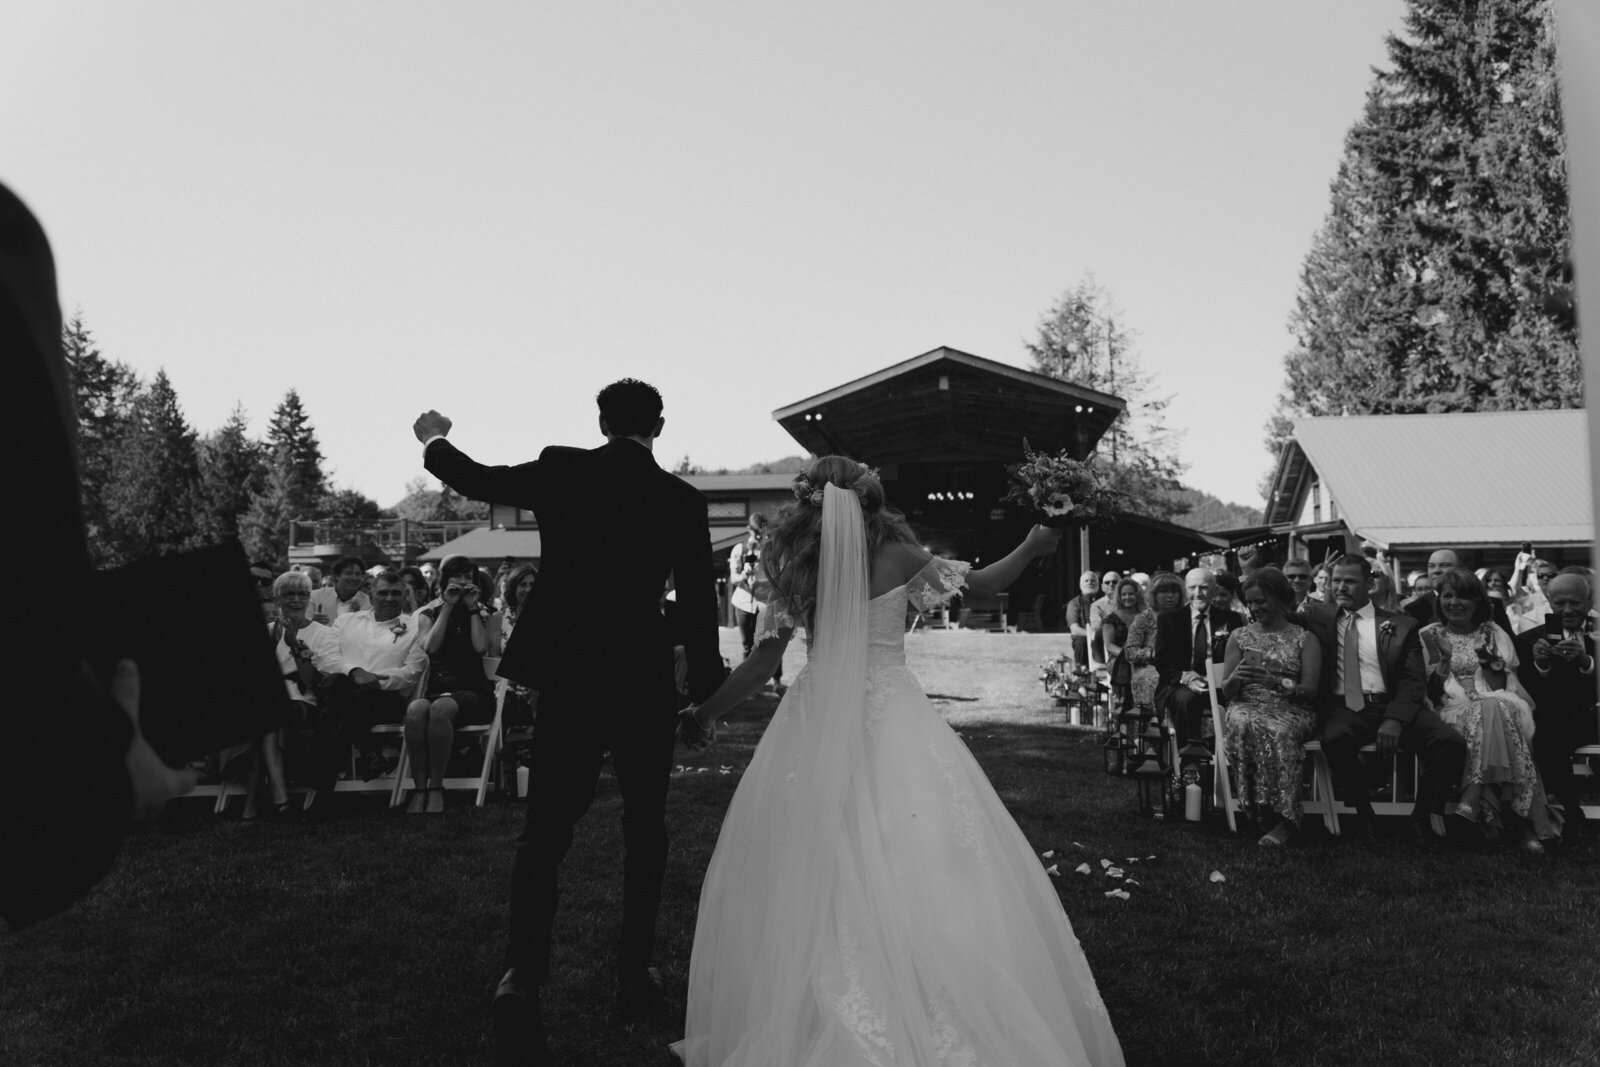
(1584, 768)
(489, 732)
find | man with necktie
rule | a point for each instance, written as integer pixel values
(1375, 693)
(1187, 639)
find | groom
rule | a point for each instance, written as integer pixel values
(614, 528)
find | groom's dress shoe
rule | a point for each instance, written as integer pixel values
(638, 994)
(519, 1038)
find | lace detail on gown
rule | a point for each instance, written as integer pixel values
(869, 1025)
(775, 617)
(963, 806)
(936, 583)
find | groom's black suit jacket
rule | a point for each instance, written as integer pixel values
(613, 527)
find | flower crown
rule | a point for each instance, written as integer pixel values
(806, 491)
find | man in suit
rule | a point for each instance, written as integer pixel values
(1424, 606)
(1372, 691)
(1188, 638)
(614, 528)
(1559, 673)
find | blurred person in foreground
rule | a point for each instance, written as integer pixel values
(58, 839)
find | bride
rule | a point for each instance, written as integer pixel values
(870, 901)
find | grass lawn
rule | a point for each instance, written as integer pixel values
(376, 939)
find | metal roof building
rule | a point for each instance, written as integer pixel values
(1480, 481)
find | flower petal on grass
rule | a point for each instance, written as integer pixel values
(1218, 876)
(1084, 868)
(1053, 869)
(1120, 894)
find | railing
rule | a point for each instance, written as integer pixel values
(394, 536)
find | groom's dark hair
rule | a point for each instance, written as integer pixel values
(630, 407)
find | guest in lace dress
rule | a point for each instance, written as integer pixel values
(1127, 602)
(1165, 593)
(1473, 683)
(1270, 674)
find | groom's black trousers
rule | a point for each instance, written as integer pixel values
(637, 724)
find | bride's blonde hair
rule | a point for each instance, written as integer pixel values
(793, 539)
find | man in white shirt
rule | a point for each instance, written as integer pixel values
(382, 660)
(346, 597)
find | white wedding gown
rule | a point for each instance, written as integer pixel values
(879, 906)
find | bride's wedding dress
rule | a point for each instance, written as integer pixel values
(870, 900)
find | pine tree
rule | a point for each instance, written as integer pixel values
(291, 432)
(1425, 289)
(233, 468)
(152, 498)
(103, 395)
(264, 526)
(1082, 340)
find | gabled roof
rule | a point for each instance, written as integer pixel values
(1456, 479)
(484, 543)
(947, 405)
(740, 483)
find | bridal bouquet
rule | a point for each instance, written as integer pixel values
(1060, 486)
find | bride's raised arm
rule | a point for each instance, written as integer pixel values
(997, 576)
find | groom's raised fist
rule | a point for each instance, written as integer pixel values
(428, 424)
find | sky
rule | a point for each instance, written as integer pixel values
(493, 209)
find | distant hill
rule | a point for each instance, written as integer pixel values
(786, 465)
(1206, 512)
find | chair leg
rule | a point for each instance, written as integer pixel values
(1322, 786)
(401, 769)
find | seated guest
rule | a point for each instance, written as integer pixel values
(1078, 615)
(1187, 639)
(1425, 606)
(520, 699)
(345, 597)
(1227, 593)
(418, 592)
(1495, 584)
(262, 575)
(1559, 673)
(1297, 572)
(381, 662)
(455, 635)
(1474, 686)
(1272, 669)
(1165, 593)
(1527, 602)
(519, 583)
(1114, 635)
(1319, 584)
(1097, 616)
(1382, 592)
(307, 651)
(1373, 691)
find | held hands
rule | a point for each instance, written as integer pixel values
(430, 422)
(694, 735)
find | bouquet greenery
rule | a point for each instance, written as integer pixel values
(1060, 487)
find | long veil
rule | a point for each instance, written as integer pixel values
(761, 911)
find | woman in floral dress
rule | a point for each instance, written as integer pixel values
(1165, 593)
(1472, 667)
(1270, 675)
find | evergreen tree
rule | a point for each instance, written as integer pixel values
(1426, 288)
(264, 526)
(1082, 340)
(233, 468)
(152, 498)
(103, 395)
(350, 508)
(291, 432)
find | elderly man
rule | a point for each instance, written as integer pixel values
(1187, 639)
(1298, 573)
(1556, 663)
(381, 662)
(1078, 615)
(346, 597)
(1373, 691)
